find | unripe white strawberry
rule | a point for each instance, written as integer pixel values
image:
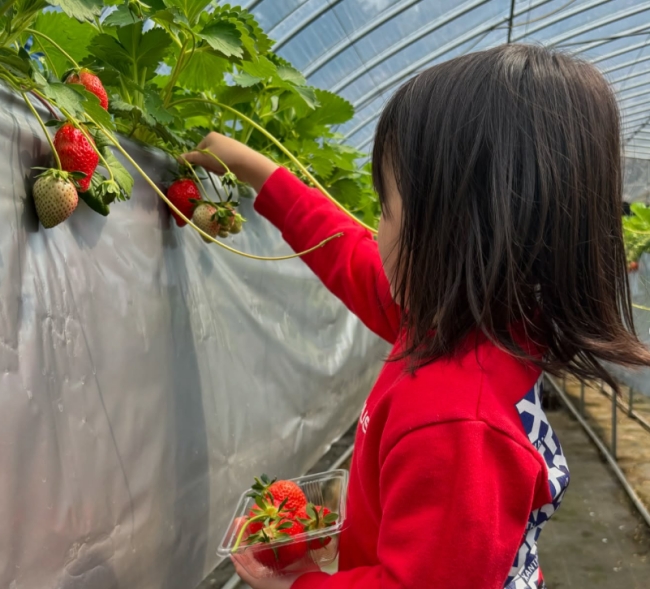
(205, 217)
(55, 197)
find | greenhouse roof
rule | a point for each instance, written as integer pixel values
(365, 49)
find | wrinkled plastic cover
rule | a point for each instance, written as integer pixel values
(146, 377)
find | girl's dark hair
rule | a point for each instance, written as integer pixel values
(508, 164)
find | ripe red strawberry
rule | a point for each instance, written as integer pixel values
(182, 193)
(76, 153)
(279, 556)
(288, 492)
(205, 218)
(316, 517)
(91, 83)
(55, 197)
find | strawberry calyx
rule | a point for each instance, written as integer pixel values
(60, 174)
(276, 531)
(316, 517)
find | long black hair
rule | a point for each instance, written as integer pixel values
(508, 164)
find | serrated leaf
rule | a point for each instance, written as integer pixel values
(201, 71)
(80, 9)
(65, 96)
(322, 166)
(71, 35)
(154, 105)
(332, 110)
(291, 75)
(307, 94)
(262, 69)
(245, 80)
(120, 17)
(223, 37)
(132, 50)
(93, 107)
(191, 9)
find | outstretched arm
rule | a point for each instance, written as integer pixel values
(350, 266)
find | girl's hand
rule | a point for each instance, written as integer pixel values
(284, 582)
(247, 164)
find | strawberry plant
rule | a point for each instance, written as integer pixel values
(636, 232)
(164, 73)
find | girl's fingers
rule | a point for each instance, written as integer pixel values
(201, 159)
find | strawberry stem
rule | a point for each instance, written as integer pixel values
(282, 148)
(240, 536)
(42, 124)
(171, 205)
(55, 45)
(204, 192)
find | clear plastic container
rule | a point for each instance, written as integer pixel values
(328, 489)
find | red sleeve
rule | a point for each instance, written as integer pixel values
(349, 266)
(455, 501)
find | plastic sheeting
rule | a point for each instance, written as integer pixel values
(146, 377)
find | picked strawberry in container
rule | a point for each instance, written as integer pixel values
(288, 526)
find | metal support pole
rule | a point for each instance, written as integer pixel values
(631, 404)
(582, 398)
(614, 415)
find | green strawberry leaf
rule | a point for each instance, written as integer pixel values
(133, 53)
(201, 70)
(83, 10)
(120, 17)
(190, 9)
(262, 69)
(71, 35)
(333, 109)
(224, 37)
(291, 75)
(154, 105)
(331, 518)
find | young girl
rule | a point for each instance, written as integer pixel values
(499, 255)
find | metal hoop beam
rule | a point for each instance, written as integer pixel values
(410, 39)
(630, 76)
(622, 51)
(313, 16)
(606, 20)
(631, 63)
(359, 34)
(563, 15)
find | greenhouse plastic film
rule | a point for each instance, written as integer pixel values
(147, 377)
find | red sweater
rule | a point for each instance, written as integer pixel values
(455, 469)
